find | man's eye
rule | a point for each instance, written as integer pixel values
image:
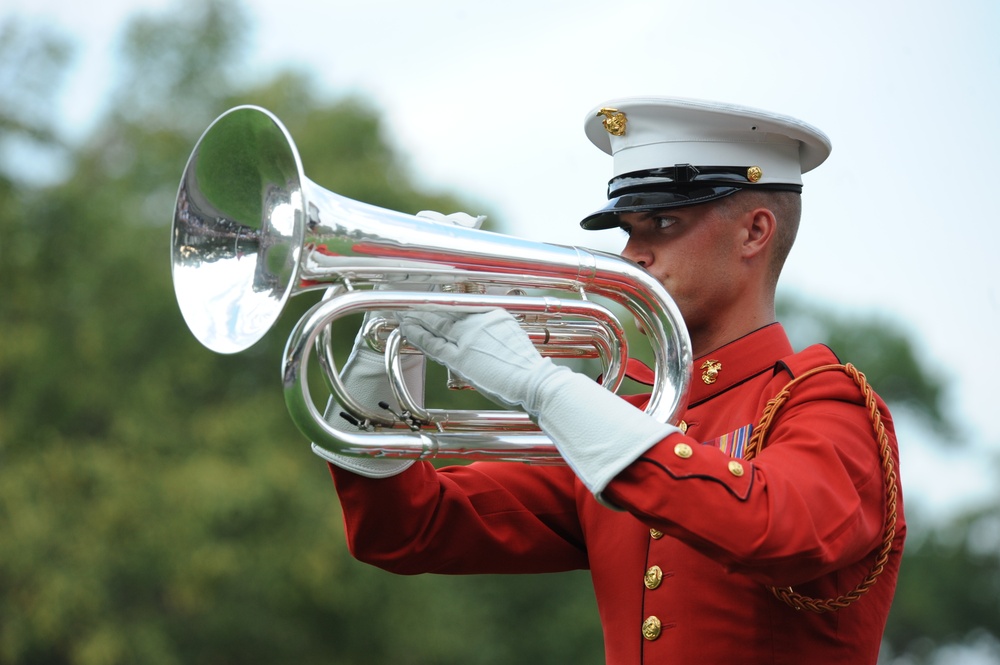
(664, 222)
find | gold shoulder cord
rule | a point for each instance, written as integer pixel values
(786, 594)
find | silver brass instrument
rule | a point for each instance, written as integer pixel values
(250, 231)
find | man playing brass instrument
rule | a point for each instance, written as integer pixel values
(704, 544)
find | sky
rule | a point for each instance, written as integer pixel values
(487, 100)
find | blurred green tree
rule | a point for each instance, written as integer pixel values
(881, 348)
(156, 503)
(950, 594)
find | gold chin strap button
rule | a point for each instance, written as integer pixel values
(651, 628)
(754, 173)
(653, 577)
(655, 534)
(683, 450)
(736, 468)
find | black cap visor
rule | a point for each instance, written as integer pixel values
(607, 217)
(673, 187)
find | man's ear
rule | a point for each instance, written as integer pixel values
(761, 228)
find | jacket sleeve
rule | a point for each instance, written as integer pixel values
(494, 517)
(811, 502)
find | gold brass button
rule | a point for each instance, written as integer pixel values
(735, 468)
(754, 173)
(651, 628)
(683, 450)
(655, 534)
(653, 577)
(682, 426)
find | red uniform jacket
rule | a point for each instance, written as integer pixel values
(807, 512)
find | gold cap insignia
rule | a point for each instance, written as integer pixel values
(710, 371)
(614, 121)
(754, 173)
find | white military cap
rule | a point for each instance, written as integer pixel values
(670, 152)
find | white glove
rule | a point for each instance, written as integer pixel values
(597, 433)
(365, 379)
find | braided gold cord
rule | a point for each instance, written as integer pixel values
(786, 594)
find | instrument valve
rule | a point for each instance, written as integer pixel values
(361, 425)
(406, 417)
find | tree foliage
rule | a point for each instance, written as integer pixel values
(156, 503)
(881, 348)
(954, 577)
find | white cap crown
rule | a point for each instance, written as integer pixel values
(721, 147)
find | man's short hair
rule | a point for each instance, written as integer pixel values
(787, 210)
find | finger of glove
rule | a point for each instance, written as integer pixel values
(494, 332)
(438, 323)
(463, 335)
(423, 334)
(476, 346)
(442, 335)
(510, 343)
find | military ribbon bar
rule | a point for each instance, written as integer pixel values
(734, 442)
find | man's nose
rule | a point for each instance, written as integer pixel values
(637, 253)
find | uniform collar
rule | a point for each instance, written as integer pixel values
(737, 361)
